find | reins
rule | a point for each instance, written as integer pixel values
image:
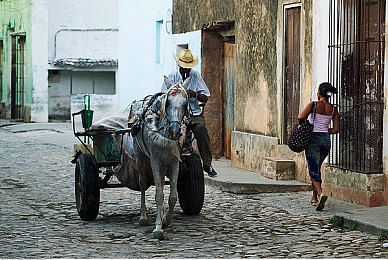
(157, 105)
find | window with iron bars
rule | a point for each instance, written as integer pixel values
(18, 76)
(356, 69)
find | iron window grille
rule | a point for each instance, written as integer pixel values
(356, 69)
(18, 76)
(1, 70)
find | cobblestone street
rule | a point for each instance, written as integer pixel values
(38, 218)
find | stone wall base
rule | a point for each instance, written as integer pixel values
(248, 151)
(3, 110)
(359, 188)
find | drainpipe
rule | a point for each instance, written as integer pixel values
(80, 30)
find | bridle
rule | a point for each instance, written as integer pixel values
(157, 104)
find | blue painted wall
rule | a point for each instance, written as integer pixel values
(147, 46)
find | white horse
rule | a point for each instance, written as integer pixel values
(156, 144)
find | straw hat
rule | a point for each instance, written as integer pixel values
(185, 59)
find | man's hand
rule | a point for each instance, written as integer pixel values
(192, 93)
(199, 97)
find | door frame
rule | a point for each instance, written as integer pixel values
(281, 73)
(225, 151)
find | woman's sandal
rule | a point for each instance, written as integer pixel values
(321, 202)
(314, 203)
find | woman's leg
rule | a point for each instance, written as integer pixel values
(312, 158)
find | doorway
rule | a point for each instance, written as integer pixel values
(291, 69)
(18, 73)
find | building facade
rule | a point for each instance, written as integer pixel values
(350, 41)
(16, 59)
(53, 54)
(264, 61)
(147, 47)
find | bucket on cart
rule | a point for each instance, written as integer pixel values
(87, 114)
(87, 118)
(106, 150)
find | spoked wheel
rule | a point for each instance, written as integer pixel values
(87, 189)
(191, 184)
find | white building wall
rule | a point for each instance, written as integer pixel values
(84, 29)
(68, 15)
(320, 51)
(39, 109)
(139, 73)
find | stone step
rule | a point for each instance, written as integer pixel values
(278, 168)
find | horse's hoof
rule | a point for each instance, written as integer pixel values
(143, 222)
(158, 234)
(166, 222)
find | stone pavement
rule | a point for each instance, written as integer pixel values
(292, 196)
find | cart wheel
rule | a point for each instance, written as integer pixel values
(87, 189)
(191, 185)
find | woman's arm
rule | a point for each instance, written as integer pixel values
(336, 120)
(305, 112)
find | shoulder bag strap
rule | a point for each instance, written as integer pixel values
(312, 108)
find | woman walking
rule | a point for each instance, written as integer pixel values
(323, 113)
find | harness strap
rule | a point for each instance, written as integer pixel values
(142, 144)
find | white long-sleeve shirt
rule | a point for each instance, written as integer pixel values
(196, 84)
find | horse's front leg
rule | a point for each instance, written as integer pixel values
(159, 198)
(143, 221)
(174, 172)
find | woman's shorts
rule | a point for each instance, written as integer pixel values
(316, 153)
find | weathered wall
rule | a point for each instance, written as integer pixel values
(191, 15)
(212, 75)
(59, 97)
(259, 70)
(256, 99)
(99, 41)
(385, 116)
(38, 51)
(15, 16)
(354, 187)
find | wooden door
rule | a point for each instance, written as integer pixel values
(228, 89)
(292, 69)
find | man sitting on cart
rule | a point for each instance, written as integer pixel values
(198, 91)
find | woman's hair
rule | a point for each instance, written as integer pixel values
(326, 89)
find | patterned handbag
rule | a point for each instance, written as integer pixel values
(300, 135)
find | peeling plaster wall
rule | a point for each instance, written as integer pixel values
(259, 69)
(256, 102)
(15, 16)
(259, 88)
(193, 15)
(102, 105)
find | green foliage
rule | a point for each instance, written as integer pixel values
(354, 227)
(334, 221)
(383, 238)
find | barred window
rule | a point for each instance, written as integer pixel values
(356, 69)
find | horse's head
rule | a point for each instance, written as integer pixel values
(175, 106)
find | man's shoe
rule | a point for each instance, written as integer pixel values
(210, 171)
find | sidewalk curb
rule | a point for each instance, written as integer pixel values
(252, 188)
(365, 220)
